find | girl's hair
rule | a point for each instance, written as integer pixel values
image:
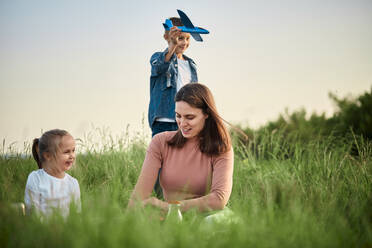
(214, 138)
(48, 142)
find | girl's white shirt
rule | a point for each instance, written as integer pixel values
(45, 193)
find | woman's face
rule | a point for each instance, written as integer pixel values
(190, 120)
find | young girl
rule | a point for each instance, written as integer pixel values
(49, 187)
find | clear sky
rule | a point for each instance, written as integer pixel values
(72, 64)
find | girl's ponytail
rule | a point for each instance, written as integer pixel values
(35, 152)
(47, 143)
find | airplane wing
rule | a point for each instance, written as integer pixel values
(196, 36)
(185, 20)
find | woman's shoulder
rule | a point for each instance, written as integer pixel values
(160, 141)
(163, 137)
(229, 154)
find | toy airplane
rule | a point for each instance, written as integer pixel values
(188, 26)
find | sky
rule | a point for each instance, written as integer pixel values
(81, 65)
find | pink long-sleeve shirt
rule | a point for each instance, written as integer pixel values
(187, 173)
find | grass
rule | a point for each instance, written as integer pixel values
(317, 195)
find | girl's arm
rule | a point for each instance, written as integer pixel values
(32, 195)
(76, 196)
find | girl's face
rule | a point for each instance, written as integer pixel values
(190, 120)
(65, 156)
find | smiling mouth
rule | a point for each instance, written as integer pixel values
(184, 130)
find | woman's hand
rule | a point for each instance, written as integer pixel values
(153, 201)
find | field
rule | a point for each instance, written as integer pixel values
(294, 194)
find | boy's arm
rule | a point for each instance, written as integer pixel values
(172, 38)
(158, 63)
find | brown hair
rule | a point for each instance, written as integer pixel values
(214, 138)
(48, 142)
(176, 21)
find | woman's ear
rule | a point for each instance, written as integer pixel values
(206, 113)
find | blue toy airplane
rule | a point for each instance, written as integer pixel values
(188, 26)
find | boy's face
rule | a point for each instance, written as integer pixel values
(183, 42)
(180, 39)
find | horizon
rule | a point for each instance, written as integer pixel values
(75, 65)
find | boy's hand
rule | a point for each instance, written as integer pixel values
(175, 40)
(174, 33)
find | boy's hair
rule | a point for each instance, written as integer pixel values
(176, 21)
(48, 142)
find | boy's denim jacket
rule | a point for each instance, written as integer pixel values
(163, 85)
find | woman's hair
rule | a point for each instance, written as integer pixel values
(214, 138)
(48, 142)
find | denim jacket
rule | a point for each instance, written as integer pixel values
(163, 85)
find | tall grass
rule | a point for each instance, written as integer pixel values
(286, 194)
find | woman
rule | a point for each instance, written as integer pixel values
(196, 161)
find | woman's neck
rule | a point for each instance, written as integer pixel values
(193, 139)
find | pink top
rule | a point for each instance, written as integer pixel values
(187, 173)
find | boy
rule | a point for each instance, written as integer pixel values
(170, 70)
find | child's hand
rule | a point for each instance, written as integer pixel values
(174, 34)
(176, 41)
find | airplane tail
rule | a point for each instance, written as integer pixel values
(168, 24)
